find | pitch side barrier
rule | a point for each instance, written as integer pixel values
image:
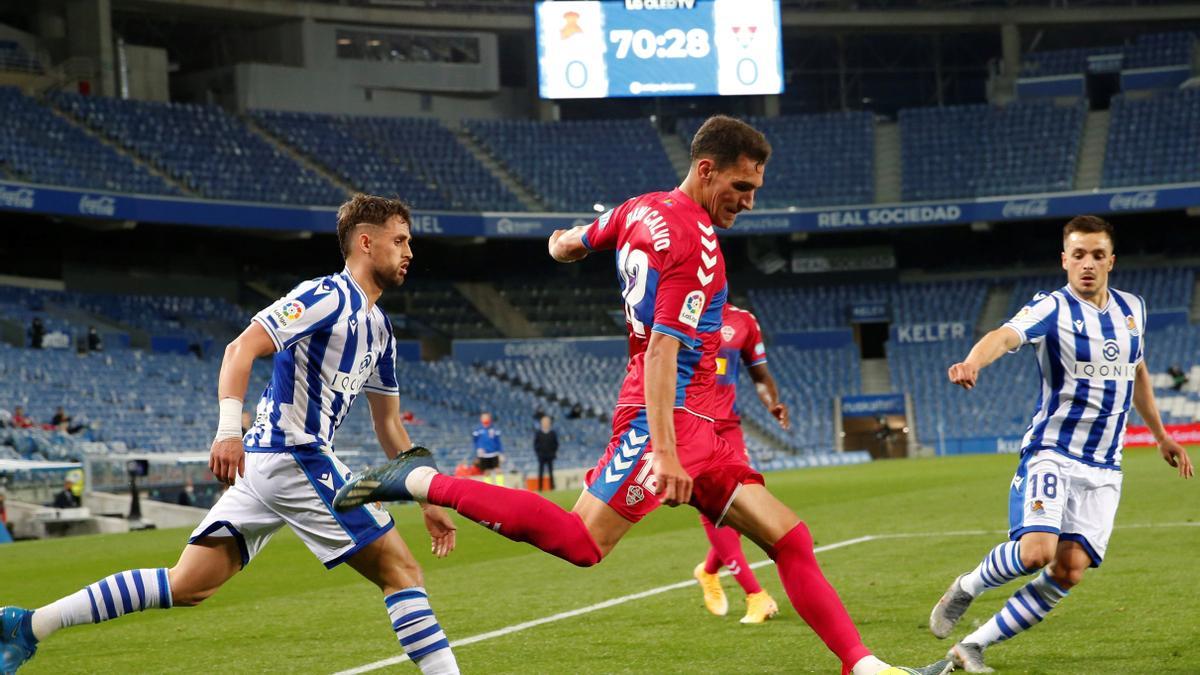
(59, 201)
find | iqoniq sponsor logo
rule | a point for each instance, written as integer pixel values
(634, 5)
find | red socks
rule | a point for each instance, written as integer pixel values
(727, 550)
(814, 599)
(520, 516)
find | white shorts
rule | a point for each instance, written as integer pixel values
(295, 488)
(1054, 493)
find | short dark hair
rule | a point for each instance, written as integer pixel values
(366, 210)
(724, 139)
(1090, 225)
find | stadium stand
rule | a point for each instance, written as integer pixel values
(439, 306)
(816, 160)
(41, 147)
(576, 164)
(1147, 51)
(417, 158)
(194, 318)
(1164, 289)
(14, 57)
(1155, 140)
(567, 310)
(981, 150)
(203, 147)
(808, 380)
(792, 309)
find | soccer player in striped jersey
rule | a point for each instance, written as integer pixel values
(330, 342)
(1090, 341)
(741, 344)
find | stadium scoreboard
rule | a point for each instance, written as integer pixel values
(610, 48)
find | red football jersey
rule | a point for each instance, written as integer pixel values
(672, 277)
(741, 342)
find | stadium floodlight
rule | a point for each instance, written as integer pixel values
(598, 207)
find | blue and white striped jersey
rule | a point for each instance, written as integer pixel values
(1087, 358)
(329, 347)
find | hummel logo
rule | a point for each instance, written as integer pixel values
(326, 480)
(709, 261)
(706, 229)
(625, 456)
(705, 279)
(710, 244)
(495, 527)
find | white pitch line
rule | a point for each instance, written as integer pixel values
(613, 602)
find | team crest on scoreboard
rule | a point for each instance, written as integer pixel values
(727, 333)
(634, 495)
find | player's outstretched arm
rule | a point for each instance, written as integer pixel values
(1143, 401)
(989, 348)
(768, 393)
(566, 246)
(227, 458)
(394, 439)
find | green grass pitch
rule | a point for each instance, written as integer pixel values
(285, 613)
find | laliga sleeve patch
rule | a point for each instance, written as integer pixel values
(288, 312)
(693, 306)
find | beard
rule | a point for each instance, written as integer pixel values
(387, 278)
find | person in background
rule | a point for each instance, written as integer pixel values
(37, 332)
(187, 496)
(66, 499)
(489, 452)
(19, 420)
(94, 343)
(545, 445)
(1178, 378)
(62, 422)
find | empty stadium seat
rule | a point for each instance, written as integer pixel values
(816, 160)
(203, 147)
(1153, 141)
(980, 150)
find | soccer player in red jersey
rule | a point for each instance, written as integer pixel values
(672, 275)
(741, 344)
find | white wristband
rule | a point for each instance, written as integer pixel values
(230, 422)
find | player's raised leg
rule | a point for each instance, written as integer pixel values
(768, 522)
(201, 570)
(388, 563)
(1026, 608)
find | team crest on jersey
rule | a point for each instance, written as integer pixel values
(1132, 326)
(288, 312)
(693, 305)
(634, 495)
(1037, 507)
(727, 333)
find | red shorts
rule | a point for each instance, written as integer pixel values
(731, 431)
(623, 477)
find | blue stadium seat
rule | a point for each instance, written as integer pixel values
(1153, 141)
(417, 159)
(40, 147)
(574, 165)
(202, 146)
(980, 150)
(816, 160)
